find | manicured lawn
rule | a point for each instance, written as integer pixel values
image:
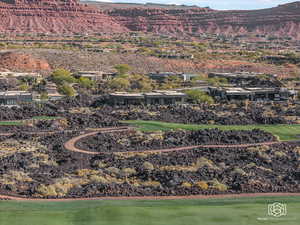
(285, 132)
(11, 123)
(244, 211)
(22, 122)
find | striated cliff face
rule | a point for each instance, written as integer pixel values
(70, 16)
(283, 20)
(54, 16)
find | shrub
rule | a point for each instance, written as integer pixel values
(48, 190)
(61, 76)
(113, 170)
(66, 90)
(239, 171)
(99, 164)
(280, 154)
(197, 96)
(201, 162)
(148, 166)
(128, 172)
(215, 184)
(98, 179)
(186, 185)
(151, 183)
(86, 172)
(202, 185)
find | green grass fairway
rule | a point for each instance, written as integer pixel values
(285, 132)
(244, 211)
(23, 122)
(11, 123)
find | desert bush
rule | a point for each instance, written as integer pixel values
(239, 171)
(280, 154)
(128, 172)
(202, 185)
(60, 188)
(264, 156)
(46, 190)
(86, 172)
(215, 184)
(201, 162)
(148, 166)
(151, 183)
(13, 176)
(186, 185)
(99, 164)
(98, 179)
(113, 170)
(262, 148)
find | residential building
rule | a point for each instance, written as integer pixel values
(15, 97)
(252, 94)
(156, 97)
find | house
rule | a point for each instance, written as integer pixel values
(52, 91)
(150, 98)
(96, 75)
(252, 94)
(162, 76)
(15, 97)
(9, 74)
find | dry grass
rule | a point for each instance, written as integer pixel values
(202, 185)
(215, 184)
(200, 163)
(60, 188)
(13, 177)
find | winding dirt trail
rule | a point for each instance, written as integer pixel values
(71, 144)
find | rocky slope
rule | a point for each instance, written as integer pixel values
(53, 16)
(283, 20)
(70, 16)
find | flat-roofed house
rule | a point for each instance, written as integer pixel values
(150, 98)
(15, 97)
(253, 94)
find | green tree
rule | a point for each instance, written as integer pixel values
(171, 82)
(24, 87)
(141, 82)
(44, 96)
(61, 76)
(198, 96)
(122, 69)
(119, 83)
(67, 90)
(86, 82)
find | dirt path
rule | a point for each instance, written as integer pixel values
(233, 196)
(70, 145)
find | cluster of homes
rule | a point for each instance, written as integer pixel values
(162, 97)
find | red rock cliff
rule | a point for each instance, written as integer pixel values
(70, 16)
(54, 16)
(283, 20)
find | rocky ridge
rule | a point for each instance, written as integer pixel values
(71, 16)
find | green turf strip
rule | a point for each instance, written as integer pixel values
(244, 211)
(23, 122)
(285, 132)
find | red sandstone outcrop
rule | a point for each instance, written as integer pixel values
(283, 20)
(54, 16)
(70, 16)
(22, 62)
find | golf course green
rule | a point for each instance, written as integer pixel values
(243, 211)
(285, 132)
